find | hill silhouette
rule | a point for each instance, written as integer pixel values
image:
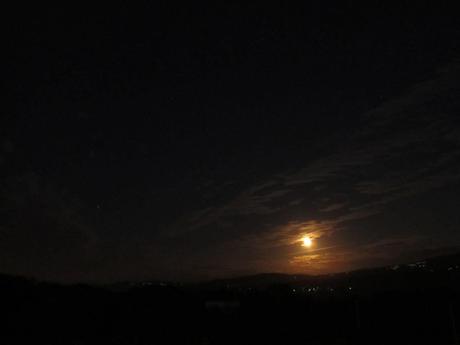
(409, 303)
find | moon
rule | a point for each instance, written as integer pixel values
(307, 241)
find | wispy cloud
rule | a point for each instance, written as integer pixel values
(404, 148)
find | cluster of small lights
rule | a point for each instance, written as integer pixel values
(317, 288)
(311, 289)
(421, 265)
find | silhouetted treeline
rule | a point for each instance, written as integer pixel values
(413, 304)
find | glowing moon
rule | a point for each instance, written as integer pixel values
(306, 241)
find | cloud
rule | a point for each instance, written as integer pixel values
(333, 207)
(341, 258)
(403, 149)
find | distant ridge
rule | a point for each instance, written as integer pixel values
(433, 271)
(410, 274)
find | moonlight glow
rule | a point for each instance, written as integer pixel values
(306, 241)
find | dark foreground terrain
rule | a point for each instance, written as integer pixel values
(406, 304)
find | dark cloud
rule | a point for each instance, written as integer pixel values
(203, 144)
(403, 149)
(343, 199)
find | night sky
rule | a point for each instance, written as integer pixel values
(188, 143)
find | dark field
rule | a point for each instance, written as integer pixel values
(407, 305)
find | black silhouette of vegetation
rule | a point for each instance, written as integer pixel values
(407, 304)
